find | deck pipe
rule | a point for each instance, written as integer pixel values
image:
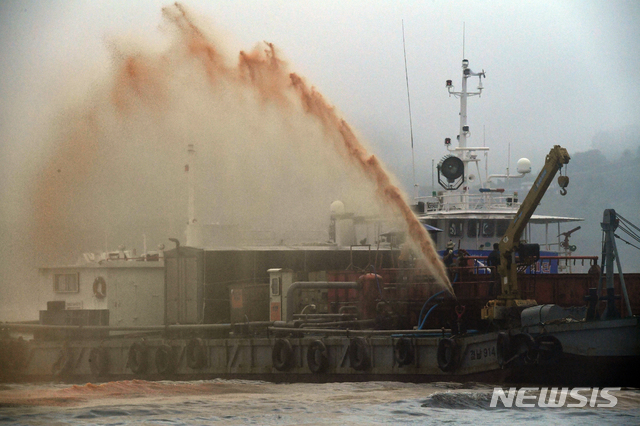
(31, 327)
(315, 285)
(384, 333)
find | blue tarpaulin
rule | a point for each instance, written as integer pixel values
(431, 228)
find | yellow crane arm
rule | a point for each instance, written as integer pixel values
(510, 242)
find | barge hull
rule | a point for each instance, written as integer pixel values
(468, 358)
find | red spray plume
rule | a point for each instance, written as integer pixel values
(144, 82)
(316, 105)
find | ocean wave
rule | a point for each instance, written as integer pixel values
(54, 395)
(233, 402)
(459, 400)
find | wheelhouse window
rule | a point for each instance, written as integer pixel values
(501, 227)
(472, 228)
(66, 283)
(456, 228)
(488, 228)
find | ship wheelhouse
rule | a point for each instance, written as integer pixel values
(470, 210)
(475, 230)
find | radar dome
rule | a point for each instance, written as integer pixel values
(337, 208)
(524, 166)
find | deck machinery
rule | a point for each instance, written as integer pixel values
(509, 304)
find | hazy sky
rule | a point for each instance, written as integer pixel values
(558, 72)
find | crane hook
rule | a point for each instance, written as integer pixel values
(563, 182)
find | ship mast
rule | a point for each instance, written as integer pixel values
(191, 206)
(463, 152)
(454, 171)
(192, 231)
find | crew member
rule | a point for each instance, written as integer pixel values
(449, 258)
(493, 261)
(494, 257)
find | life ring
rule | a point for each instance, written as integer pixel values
(548, 349)
(448, 354)
(5, 356)
(503, 346)
(282, 355)
(165, 360)
(403, 351)
(359, 354)
(65, 362)
(99, 361)
(138, 359)
(196, 354)
(17, 355)
(100, 288)
(317, 357)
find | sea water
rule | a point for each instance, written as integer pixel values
(235, 402)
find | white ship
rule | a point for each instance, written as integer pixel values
(471, 210)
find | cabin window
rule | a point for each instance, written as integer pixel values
(472, 229)
(66, 283)
(275, 286)
(488, 228)
(501, 227)
(455, 228)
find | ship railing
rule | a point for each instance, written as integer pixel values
(475, 265)
(460, 201)
(270, 325)
(372, 332)
(140, 328)
(474, 282)
(478, 264)
(473, 278)
(573, 260)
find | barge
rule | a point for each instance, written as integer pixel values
(343, 311)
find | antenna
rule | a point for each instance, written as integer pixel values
(508, 163)
(406, 74)
(486, 156)
(433, 185)
(463, 25)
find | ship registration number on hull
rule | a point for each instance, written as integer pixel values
(480, 353)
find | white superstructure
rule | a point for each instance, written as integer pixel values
(471, 212)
